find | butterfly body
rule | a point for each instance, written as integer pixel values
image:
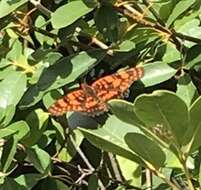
(92, 99)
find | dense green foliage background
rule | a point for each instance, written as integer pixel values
(150, 140)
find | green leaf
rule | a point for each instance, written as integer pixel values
(40, 159)
(195, 127)
(65, 71)
(108, 26)
(13, 87)
(41, 23)
(7, 115)
(171, 54)
(54, 184)
(9, 183)
(158, 72)
(8, 7)
(193, 57)
(131, 171)
(43, 59)
(165, 113)
(75, 10)
(20, 128)
(124, 111)
(27, 181)
(37, 122)
(93, 183)
(68, 150)
(146, 149)
(8, 153)
(126, 46)
(15, 52)
(190, 28)
(178, 9)
(110, 138)
(186, 90)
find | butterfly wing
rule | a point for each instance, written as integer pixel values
(116, 85)
(73, 101)
(92, 99)
(78, 101)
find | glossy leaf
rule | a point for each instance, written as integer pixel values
(8, 7)
(40, 159)
(195, 127)
(111, 138)
(190, 28)
(157, 72)
(63, 72)
(27, 181)
(8, 153)
(179, 8)
(186, 90)
(130, 170)
(108, 27)
(13, 87)
(60, 19)
(171, 54)
(146, 149)
(37, 122)
(193, 57)
(19, 128)
(157, 111)
(7, 115)
(124, 111)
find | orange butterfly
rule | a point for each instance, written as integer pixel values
(92, 99)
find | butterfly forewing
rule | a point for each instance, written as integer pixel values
(72, 101)
(115, 86)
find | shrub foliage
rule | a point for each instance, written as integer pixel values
(149, 140)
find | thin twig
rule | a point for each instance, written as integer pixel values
(148, 179)
(86, 161)
(40, 7)
(115, 167)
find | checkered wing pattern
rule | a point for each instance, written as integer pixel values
(92, 100)
(116, 85)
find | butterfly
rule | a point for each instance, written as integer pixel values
(92, 99)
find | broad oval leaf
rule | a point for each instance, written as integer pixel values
(194, 131)
(8, 7)
(40, 159)
(13, 87)
(63, 72)
(124, 111)
(37, 122)
(108, 26)
(165, 113)
(27, 181)
(69, 13)
(20, 129)
(186, 90)
(158, 72)
(178, 9)
(146, 149)
(7, 115)
(111, 138)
